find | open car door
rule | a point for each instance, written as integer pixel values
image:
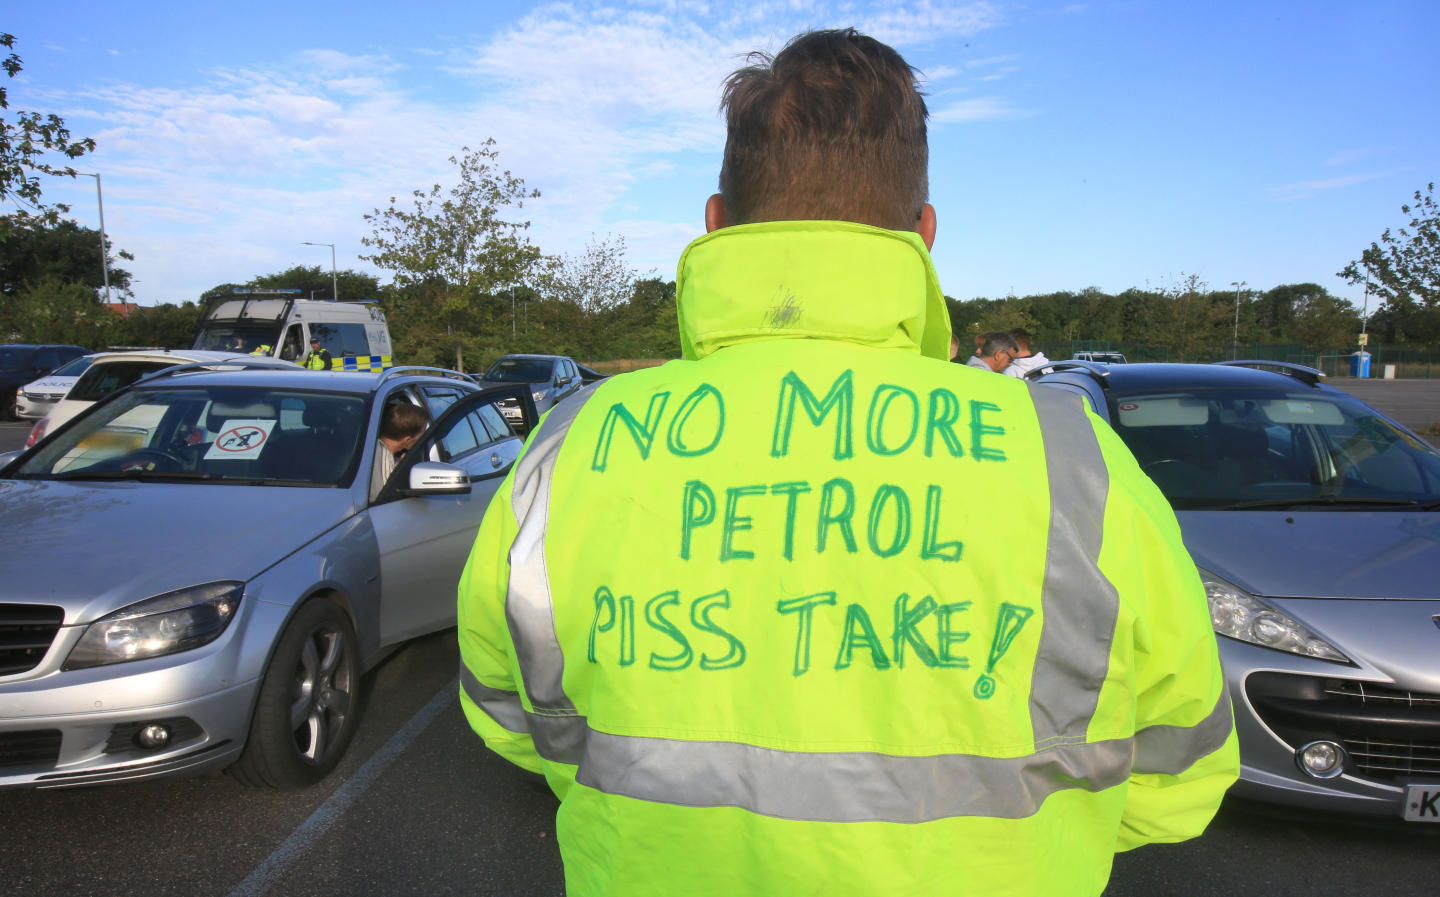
(425, 540)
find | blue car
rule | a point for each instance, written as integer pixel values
(1314, 520)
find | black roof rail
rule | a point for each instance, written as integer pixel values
(1307, 375)
(1098, 372)
(434, 372)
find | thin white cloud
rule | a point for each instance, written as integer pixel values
(1310, 188)
(979, 109)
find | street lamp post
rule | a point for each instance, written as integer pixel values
(334, 278)
(104, 254)
(1238, 287)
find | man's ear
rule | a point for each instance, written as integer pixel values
(715, 213)
(926, 226)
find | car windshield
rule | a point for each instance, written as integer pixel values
(520, 370)
(12, 358)
(221, 434)
(106, 377)
(244, 340)
(1222, 448)
(76, 367)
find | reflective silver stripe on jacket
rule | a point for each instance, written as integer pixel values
(559, 739)
(845, 787)
(1079, 605)
(502, 706)
(528, 610)
(1170, 750)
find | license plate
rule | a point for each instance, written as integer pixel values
(1422, 803)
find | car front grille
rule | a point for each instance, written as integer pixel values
(1396, 757)
(26, 631)
(35, 747)
(1388, 732)
(44, 396)
(1370, 693)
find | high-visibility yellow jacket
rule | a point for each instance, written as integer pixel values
(814, 611)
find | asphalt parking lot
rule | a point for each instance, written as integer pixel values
(447, 817)
(1414, 403)
(13, 435)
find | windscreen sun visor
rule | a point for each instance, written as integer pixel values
(1164, 412)
(1290, 411)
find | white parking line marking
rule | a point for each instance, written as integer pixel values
(268, 873)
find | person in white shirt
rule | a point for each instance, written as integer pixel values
(1027, 361)
(997, 352)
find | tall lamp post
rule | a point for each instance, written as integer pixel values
(104, 254)
(334, 278)
(1238, 287)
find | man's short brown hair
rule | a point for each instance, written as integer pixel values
(1022, 338)
(830, 128)
(401, 421)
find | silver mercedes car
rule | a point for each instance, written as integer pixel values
(199, 568)
(1315, 523)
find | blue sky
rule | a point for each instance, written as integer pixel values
(1072, 144)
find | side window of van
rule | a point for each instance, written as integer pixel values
(341, 340)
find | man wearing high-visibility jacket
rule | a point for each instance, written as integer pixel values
(813, 611)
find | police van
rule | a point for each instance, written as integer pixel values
(280, 324)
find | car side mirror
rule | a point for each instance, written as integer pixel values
(436, 478)
(8, 458)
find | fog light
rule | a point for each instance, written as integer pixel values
(152, 737)
(1321, 759)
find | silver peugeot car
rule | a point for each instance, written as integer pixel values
(199, 568)
(1315, 522)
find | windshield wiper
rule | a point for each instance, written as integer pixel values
(1319, 500)
(136, 474)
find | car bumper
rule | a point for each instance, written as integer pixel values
(32, 409)
(89, 749)
(1269, 739)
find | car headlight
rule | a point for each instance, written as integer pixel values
(165, 624)
(1238, 614)
(539, 394)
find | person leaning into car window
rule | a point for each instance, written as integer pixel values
(401, 427)
(996, 352)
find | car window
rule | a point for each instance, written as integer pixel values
(46, 360)
(493, 422)
(341, 340)
(106, 377)
(439, 399)
(520, 370)
(76, 367)
(196, 434)
(1217, 447)
(459, 438)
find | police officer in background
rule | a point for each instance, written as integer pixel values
(318, 359)
(753, 613)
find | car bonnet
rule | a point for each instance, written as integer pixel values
(95, 547)
(1319, 554)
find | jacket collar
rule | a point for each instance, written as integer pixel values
(830, 280)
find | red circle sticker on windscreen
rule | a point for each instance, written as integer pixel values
(1129, 406)
(241, 439)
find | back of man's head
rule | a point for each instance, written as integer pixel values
(999, 341)
(830, 128)
(1022, 338)
(401, 421)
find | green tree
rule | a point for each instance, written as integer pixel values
(591, 291)
(1321, 321)
(1403, 270)
(64, 252)
(451, 251)
(313, 281)
(1183, 317)
(23, 145)
(166, 326)
(66, 313)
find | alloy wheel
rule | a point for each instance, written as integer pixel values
(320, 696)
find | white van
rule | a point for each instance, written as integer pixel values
(280, 324)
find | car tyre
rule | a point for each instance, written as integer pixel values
(309, 702)
(7, 408)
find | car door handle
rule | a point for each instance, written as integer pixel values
(496, 460)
